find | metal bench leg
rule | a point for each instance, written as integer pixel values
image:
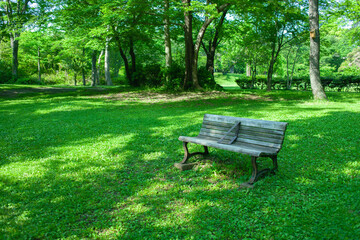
(255, 175)
(274, 159)
(188, 155)
(254, 172)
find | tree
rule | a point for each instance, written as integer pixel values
(211, 44)
(317, 88)
(192, 48)
(16, 15)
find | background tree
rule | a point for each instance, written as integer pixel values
(317, 88)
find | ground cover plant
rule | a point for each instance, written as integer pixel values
(99, 165)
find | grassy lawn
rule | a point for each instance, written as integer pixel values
(228, 80)
(99, 165)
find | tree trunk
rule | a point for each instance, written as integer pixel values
(168, 57)
(126, 62)
(210, 60)
(98, 73)
(75, 79)
(253, 75)
(107, 63)
(274, 55)
(135, 78)
(189, 45)
(83, 70)
(15, 50)
(290, 76)
(271, 67)
(317, 88)
(93, 68)
(213, 43)
(248, 70)
(39, 67)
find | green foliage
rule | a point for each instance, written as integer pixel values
(32, 80)
(174, 77)
(338, 82)
(90, 164)
(151, 75)
(206, 80)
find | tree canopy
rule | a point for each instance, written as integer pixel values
(171, 44)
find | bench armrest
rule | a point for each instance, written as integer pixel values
(237, 129)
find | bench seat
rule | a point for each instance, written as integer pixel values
(239, 147)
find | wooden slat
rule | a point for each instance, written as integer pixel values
(245, 149)
(247, 122)
(255, 142)
(241, 144)
(246, 135)
(218, 125)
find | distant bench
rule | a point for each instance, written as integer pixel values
(257, 138)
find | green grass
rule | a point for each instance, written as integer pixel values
(227, 81)
(88, 166)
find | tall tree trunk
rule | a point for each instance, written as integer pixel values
(39, 67)
(98, 73)
(274, 55)
(271, 67)
(83, 70)
(15, 50)
(75, 78)
(135, 78)
(93, 68)
(213, 43)
(317, 88)
(248, 70)
(189, 45)
(126, 62)
(290, 75)
(107, 63)
(168, 57)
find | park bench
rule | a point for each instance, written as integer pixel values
(256, 138)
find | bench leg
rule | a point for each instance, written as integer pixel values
(188, 155)
(256, 173)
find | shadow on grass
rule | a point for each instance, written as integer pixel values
(94, 169)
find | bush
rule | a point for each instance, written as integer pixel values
(175, 77)
(206, 80)
(28, 81)
(152, 75)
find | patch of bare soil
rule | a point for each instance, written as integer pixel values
(12, 93)
(154, 97)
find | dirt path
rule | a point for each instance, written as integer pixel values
(16, 92)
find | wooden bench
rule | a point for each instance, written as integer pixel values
(257, 138)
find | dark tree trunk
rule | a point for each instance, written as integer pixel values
(75, 83)
(317, 88)
(83, 70)
(15, 50)
(135, 78)
(126, 62)
(213, 43)
(274, 55)
(93, 68)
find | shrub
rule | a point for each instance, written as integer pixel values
(175, 77)
(28, 80)
(206, 80)
(152, 75)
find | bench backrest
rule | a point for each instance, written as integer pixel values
(252, 133)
